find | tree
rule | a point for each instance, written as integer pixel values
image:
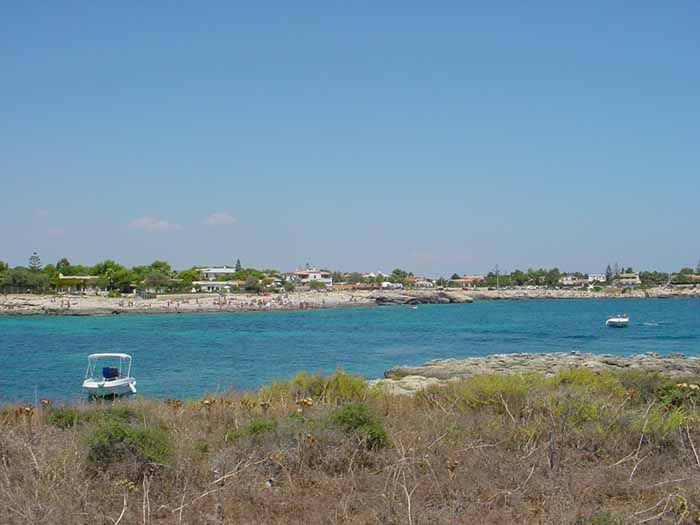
(34, 262)
(552, 277)
(317, 285)
(608, 274)
(238, 265)
(122, 279)
(162, 267)
(697, 268)
(190, 275)
(50, 270)
(62, 265)
(338, 277)
(353, 278)
(252, 284)
(106, 267)
(398, 276)
(289, 286)
(454, 276)
(23, 279)
(653, 278)
(4, 267)
(518, 277)
(497, 273)
(156, 280)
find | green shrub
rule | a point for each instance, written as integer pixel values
(114, 441)
(361, 420)
(339, 387)
(644, 386)
(492, 390)
(342, 387)
(577, 410)
(591, 381)
(256, 428)
(304, 385)
(63, 417)
(66, 417)
(658, 421)
(317, 285)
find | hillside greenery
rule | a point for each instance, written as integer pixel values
(578, 447)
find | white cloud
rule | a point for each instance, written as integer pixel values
(56, 231)
(220, 218)
(152, 224)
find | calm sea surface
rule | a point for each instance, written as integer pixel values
(186, 355)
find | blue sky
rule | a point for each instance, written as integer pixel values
(441, 138)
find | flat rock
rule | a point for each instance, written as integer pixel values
(548, 364)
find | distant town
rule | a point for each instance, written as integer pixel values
(111, 278)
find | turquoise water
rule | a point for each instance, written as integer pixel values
(186, 355)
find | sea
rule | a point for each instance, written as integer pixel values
(190, 355)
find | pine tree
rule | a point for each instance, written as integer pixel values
(62, 265)
(608, 274)
(34, 262)
(238, 265)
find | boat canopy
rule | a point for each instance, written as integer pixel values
(121, 356)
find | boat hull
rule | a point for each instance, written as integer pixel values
(617, 323)
(102, 388)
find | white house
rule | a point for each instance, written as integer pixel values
(306, 275)
(597, 278)
(627, 280)
(217, 286)
(388, 285)
(571, 280)
(210, 274)
(424, 282)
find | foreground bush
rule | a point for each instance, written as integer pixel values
(580, 447)
(360, 420)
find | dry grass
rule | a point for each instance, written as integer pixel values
(579, 448)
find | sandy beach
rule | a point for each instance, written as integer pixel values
(78, 305)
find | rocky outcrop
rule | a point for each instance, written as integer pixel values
(607, 293)
(419, 297)
(406, 380)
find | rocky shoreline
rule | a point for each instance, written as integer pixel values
(407, 380)
(609, 293)
(82, 305)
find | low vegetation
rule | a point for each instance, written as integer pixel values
(580, 447)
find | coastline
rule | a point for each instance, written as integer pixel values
(84, 305)
(407, 380)
(90, 305)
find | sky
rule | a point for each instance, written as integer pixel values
(437, 137)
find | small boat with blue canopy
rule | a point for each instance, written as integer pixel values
(109, 375)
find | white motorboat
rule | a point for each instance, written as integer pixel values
(106, 381)
(618, 321)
